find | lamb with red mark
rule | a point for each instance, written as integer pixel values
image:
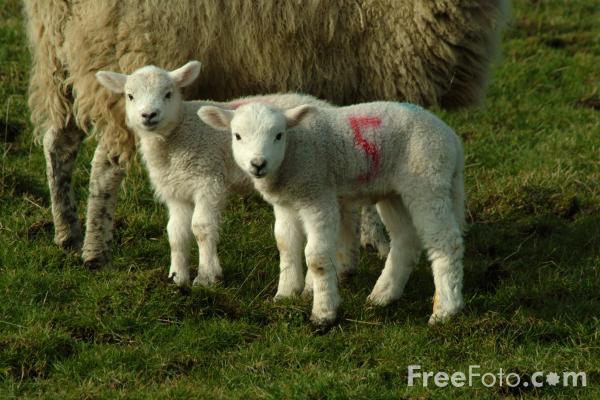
(304, 161)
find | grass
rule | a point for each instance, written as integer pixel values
(532, 281)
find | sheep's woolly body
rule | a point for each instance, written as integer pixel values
(343, 51)
(397, 155)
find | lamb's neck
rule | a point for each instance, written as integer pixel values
(154, 147)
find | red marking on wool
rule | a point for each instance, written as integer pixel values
(237, 104)
(358, 124)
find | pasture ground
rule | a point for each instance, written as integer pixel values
(532, 282)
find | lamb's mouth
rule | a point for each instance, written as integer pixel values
(259, 174)
(150, 125)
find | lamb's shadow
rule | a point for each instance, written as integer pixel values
(538, 260)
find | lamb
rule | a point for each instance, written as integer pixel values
(307, 160)
(434, 52)
(189, 163)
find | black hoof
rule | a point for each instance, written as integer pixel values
(97, 263)
(322, 325)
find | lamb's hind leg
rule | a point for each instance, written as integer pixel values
(60, 150)
(404, 252)
(440, 233)
(105, 178)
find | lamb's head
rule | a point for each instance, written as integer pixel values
(259, 133)
(152, 95)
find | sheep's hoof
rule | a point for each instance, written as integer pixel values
(375, 241)
(97, 263)
(70, 243)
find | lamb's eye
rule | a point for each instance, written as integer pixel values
(279, 135)
(237, 136)
(130, 96)
(168, 95)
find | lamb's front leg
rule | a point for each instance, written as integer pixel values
(205, 226)
(290, 239)
(180, 235)
(321, 224)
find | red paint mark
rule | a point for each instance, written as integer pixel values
(237, 104)
(358, 124)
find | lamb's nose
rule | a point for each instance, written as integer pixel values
(258, 163)
(149, 116)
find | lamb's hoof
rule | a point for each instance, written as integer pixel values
(282, 297)
(440, 317)
(207, 281)
(179, 279)
(382, 298)
(323, 325)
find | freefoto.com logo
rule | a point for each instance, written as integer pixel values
(488, 379)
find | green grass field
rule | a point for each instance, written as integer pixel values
(532, 282)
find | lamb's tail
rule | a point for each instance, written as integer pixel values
(458, 189)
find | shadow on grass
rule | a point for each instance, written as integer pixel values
(539, 261)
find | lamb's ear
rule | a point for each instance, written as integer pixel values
(187, 74)
(216, 117)
(113, 81)
(294, 116)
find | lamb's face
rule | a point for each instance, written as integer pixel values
(153, 100)
(152, 95)
(259, 139)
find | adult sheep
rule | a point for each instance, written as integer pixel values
(344, 51)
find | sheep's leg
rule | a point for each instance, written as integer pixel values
(321, 224)
(205, 226)
(290, 240)
(179, 229)
(404, 252)
(60, 150)
(349, 241)
(105, 178)
(441, 236)
(372, 231)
